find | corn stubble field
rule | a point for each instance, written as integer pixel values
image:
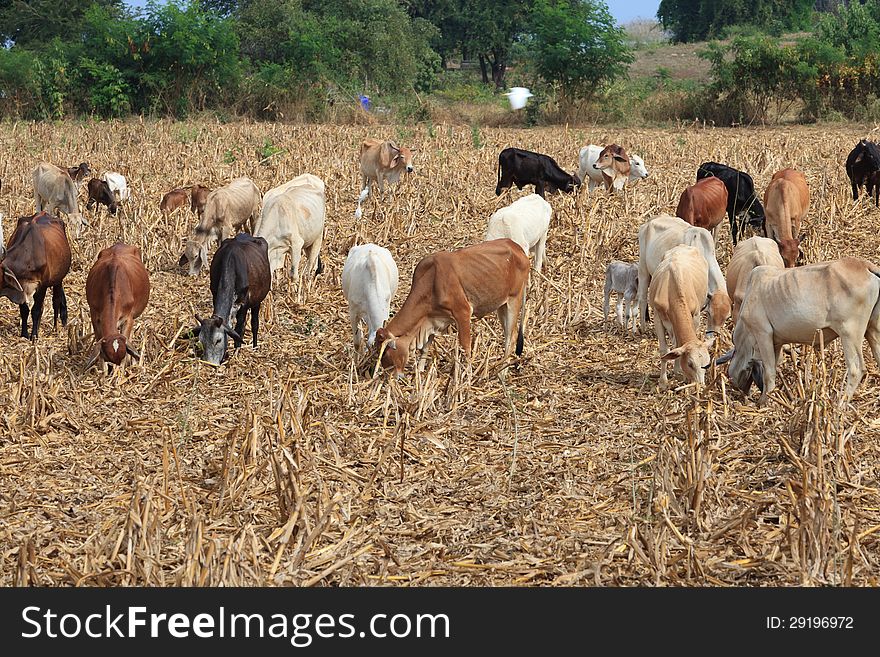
(291, 465)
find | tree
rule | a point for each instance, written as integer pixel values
(28, 22)
(697, 20)
(577, 45)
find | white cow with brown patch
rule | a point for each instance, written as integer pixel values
(55, 190)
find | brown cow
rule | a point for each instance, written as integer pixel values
(704, 204)
(613, 162)
(173, 200)
(786, 202)
(381, 161)
(100, 192)
(38, 258)
(199, 195)
(117, 291)
(449, 287)
(79, 173)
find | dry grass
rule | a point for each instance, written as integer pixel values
(286, 467)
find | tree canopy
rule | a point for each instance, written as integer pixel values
(698, 20)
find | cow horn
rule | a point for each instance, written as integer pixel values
(11, 274)
(723, 358)
(232, 334)
(132, 352)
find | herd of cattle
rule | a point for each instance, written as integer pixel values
(771, 300)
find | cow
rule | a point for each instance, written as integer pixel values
(199, 198)
(743, 205)
(838, 298)
(79, 173)
(519, 167)
(613, 162)
(678, 289)
(227, 209)
(704, 204)
(117, 292)
(622, 278)
(173, 200)
(748, 254)
(369, 281)
(526, 222)
(786, 202)
(451, 286)
(660, 234)
(240, 280)
(118, 186)
(100, 192)
(589, 155)
(381, 161)
(37, 258)
(292, 220)
(862, 161)
(54, 190)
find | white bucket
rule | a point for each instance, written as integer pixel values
(518, 97)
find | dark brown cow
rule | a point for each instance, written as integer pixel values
(704, 204)
(173, 200)
(79, 172)
(100, 192)
(117, 291)
(38, 258)
(449, 287)
(199, 198)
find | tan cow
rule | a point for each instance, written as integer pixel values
(55, 190)
(381, 161)
(786, 202)
(451, 286)
(614, 163)
(747, 255)
(678, 290)
(227, 209)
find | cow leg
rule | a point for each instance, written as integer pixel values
(734, 225)
(855, 362)
(296, 245)
(644, 280)
(255, 324)
(855, 192)
(540, 250)
(660, 331)
(505, 181)
(767, 354)
(24, 311)
(508, 314)
(37, 312)
(357, 334)
(606, 304)
(539, 189)
(239, 325)
(463, 324)
(59, 306)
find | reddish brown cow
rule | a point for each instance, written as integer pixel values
(449, 287)
(38, 258)
(100, 192)
(173, 200)
(786, 202)
(704, 204)
(199, 198)
(117, 291)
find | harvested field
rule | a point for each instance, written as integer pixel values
(285, 466)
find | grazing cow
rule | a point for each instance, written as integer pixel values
(79, 173)
(519, 167)
(37, 258)
(118, 186)
(861, 162)
(55, 190)
(173, 200)
(227, 209)
(117, 291)
(381, 161)
(450, 287)
(622, 278)
(662, 233)
(100, 192)
(614, 164)
(704, 204)
(839, 298)
(589, 155)
(786, 201)
(525, 221)
(240, 280)
(292, 220)
(743, 205)
(678, 289)
(199, 196)
(369, 281)
(747, 255)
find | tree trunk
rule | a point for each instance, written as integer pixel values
(498, 63)
(483, 69)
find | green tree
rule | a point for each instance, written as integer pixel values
(31, 22)
(697, 20)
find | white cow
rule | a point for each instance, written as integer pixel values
(588, 156)
(292, 220)
(747, 255)
(622, 278)
(525, 221)
(662, 233)
(55, 190)
(369, 281)
(118, 185)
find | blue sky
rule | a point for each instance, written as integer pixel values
(625, 10)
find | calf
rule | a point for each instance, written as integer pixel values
(118, 185)
(526, 222)
(173, 200)
(381, 161)
(117, 291)
(369, 281)
(748, 254)
(743, 205)
(622, 278)
(37, 258)
(613, 162)
(704, 204)
(227, 209)
(54, 190)
(786, 202)
(839, 298)
(589, 155)
(100, 192)
(678, 289)
(450, 287)
(862, 161)
(520, 167)
(240, 280)
(199, 198)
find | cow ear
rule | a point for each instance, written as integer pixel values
(391, 344)
(10, 275)
(673, 354)
(619, 158)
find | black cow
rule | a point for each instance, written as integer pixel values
(862, 161)
(100, 192)
(743, 205)
(240, 280)
(519, 167)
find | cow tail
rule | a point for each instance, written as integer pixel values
(520, 339)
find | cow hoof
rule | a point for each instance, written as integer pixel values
(762, 401)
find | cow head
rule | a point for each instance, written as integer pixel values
(392, 157)
(719, 310)
(638, 170)
(613, 156)
(16, 291)
(113, 349)
(694, 358)
(196, 254)
(80, 171)
(790, 250)
(213, 333)
(393, 351)
(744, 369)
